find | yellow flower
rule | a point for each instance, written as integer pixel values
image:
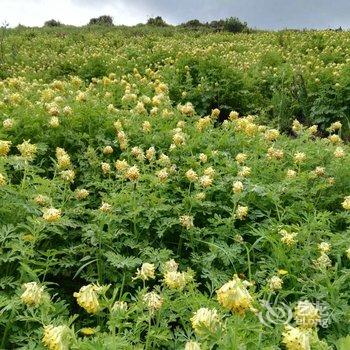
(121, 165)
(272, 134)
(241, 212)
(215, 113)
(179, 138)
(108, 150)
(186, 221)
(291, 174)
(2, 180)
(203, 123)
(81, 193)
(275, 283)
(41, 200)
(146, 126)
(233, 115)
(63, 158)
(203, 158)
(234, 296)
(323, 261)
(297, 127)
(241, 158)
(306, 315)
(274, 153)
(312, 129)
(105, 207)
(106, 168)
(4, 147)
(162, 175)
(206, 181)
(81, 96)
(133, 173)
(54, 122)
(175, 279)
(186, 109)
(8, 123)
(27, 150)
(137, 152)
(282, 272)
(67, 110)
(210, 171)
(320, 171)
(237, 187)
(33, 294)
(205, 321)
(244, 172)
(191, 175)
(150, 153)
(68, 175)
(335, 126)
(51, 214)
(324, 247)
(334, 139)
(339, 152)
(56, 338)
(348, 253)
(87, 298)
(153, 301)
(288, 238)
(88, 331)
(296, 339)
(346, 203)
(119, 306)
(171, 265)
(192, 345)
(299, 157)
(146, 272)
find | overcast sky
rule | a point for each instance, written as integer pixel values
(265, 14)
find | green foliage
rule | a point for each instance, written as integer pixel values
(102, 21)
(234, 25)
(52, 23)
(105, 95)
(157, 22)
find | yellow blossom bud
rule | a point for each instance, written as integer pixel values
(51, 214)
(205, 321)
(33, 294)
(87, 298)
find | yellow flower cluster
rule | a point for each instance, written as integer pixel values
(27, 150)
(56, 338)
(4, 148)
(205, 321)
(234, 296)
(175, 279)
(87, 298)
(306, 315)
(51, 214)
(296, 338)
(33, 294)
(146, 272)
(153, 301)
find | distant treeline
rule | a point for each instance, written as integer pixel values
(231, 24)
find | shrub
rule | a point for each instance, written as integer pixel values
(52, 23)
(102, 20)
(157, 22)
(234, 25)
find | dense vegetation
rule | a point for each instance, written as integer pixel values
(168, 189)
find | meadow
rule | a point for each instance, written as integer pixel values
(174, 189)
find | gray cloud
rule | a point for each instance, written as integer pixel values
(269, 14)
(266, 14)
